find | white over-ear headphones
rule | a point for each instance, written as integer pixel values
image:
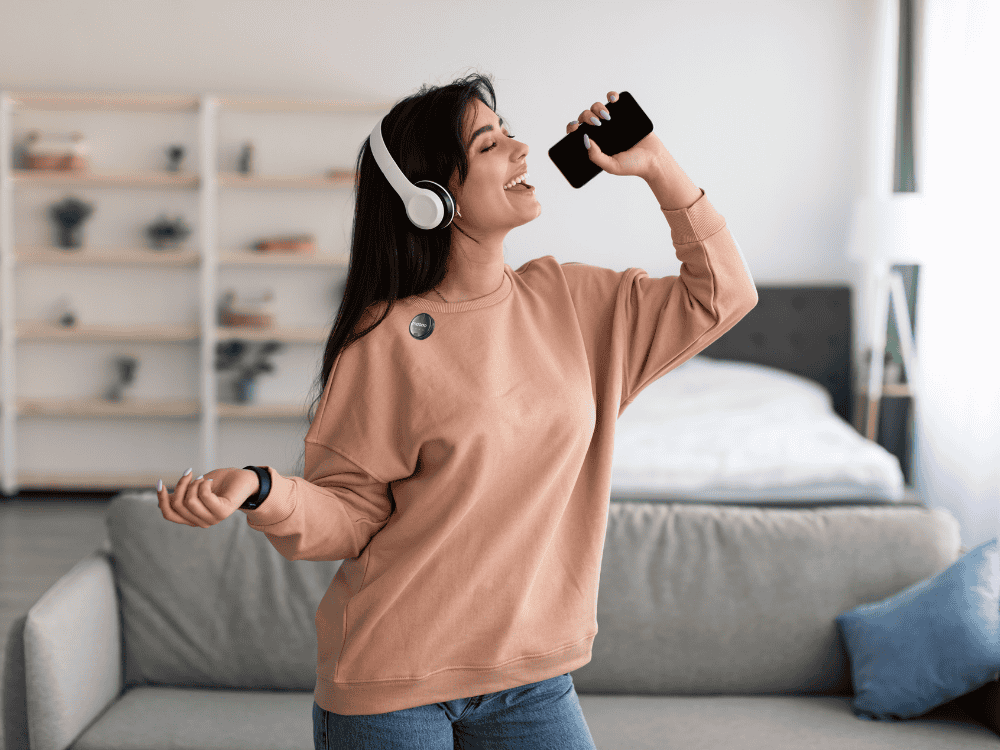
(428, 207)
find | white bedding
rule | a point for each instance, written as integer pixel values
(737, 431)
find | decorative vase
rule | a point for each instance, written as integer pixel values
(243, 390)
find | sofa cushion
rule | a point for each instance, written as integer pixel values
(928, 644)
(692, 598)
(215, 607)
(152, 718)
(714, 599)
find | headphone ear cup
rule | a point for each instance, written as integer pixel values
(446, 201)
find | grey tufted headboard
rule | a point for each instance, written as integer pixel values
(801, 329)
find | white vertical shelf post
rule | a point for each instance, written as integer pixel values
(8, 391)
(208, 236)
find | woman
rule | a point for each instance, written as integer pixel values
(460, 460)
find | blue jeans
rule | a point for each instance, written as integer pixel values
(544, 714)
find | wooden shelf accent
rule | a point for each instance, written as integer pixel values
(159, 179)
(111, 256)
(137, 256)
(41, 330)
(255, 258)
(275, 104)
(43, 101)
(145, 178)
(262, 411)
(99, 407)
(34, 330)
(151, 102)
(341, 179)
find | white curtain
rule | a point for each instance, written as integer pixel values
(957, 162)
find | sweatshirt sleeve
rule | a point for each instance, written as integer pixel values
(330, 514)
(651, 326)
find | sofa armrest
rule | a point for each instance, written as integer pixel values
(72, 653)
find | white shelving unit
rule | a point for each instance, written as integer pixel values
(208, 181)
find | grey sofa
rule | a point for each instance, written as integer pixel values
(716, 630)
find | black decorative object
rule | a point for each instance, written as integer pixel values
(165, 234)
(176, 155)
(66, 318)
(70, 215)
(231, 356)
(246, 159)
(126, 367)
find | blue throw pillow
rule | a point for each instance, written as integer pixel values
(928, 644)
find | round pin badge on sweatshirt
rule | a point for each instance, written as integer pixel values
(422, 326)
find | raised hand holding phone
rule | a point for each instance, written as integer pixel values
(624, 146)
(209, 499)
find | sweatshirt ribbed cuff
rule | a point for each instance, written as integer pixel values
(694, 223)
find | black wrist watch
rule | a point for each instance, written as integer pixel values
(264, 477)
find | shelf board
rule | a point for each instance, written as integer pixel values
(31, 255)
(42, 330)
(150, 102)
(44, 101)
(98, 407)
(137, 256)
(255, 258)
(262, 411)
(276, 104)
(151, 178)
(338, 180)
(36, 330)
(87, 178)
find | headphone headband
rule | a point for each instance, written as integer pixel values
(428, 207)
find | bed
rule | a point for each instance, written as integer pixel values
(762, 417)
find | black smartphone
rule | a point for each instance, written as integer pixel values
(628, 125)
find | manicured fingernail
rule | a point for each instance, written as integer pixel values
(605, 115)
(201, 477)
(159, 486)
(186, 472)
(571, 124)
(595, 121)
(614, 97)
(586, 140)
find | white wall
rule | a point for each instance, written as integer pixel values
(758, 101)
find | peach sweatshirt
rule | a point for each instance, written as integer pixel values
(464, 478)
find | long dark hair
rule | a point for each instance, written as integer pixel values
(391, 258)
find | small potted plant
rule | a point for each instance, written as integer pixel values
(167, 234)
(237, 355)
(69, 216)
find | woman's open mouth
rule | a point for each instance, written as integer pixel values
(520, 184)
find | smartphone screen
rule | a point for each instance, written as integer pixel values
(628, 125)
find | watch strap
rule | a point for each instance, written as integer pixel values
(264, 477)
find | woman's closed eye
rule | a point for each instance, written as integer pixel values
(494, 145)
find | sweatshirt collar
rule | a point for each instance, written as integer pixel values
(436, 304)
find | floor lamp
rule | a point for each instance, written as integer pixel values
(888, 229)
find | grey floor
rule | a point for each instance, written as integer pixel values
(40, 540)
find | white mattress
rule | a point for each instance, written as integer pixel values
(736, 431)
